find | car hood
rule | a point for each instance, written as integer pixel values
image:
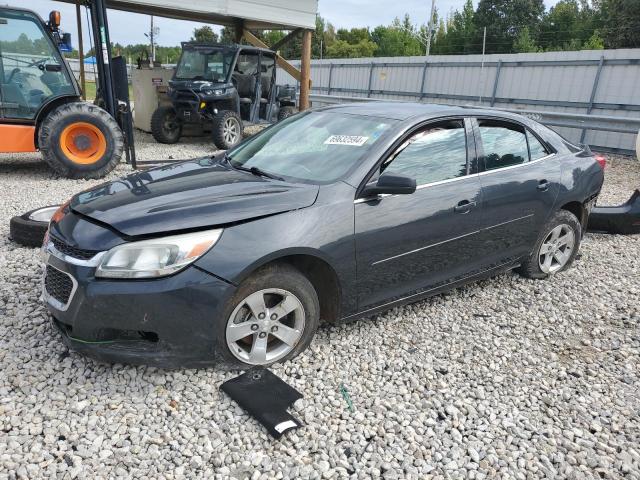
(188, 195)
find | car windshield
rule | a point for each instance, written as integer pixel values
(317, 147)
(204, 64)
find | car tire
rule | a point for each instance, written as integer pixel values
(27, 231)
(165, 127)
(227, 129)
(286, 112)
(237, 352)
(562, 225)
(62, 130)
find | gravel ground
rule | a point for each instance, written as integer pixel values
(507, 378)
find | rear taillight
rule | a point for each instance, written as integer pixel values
(602, 160)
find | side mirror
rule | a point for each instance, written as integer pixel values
(391, 184)
(65, 43)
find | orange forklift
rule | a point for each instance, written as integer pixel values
(41, 107)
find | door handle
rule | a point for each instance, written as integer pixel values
(543, 185)
(464, 206)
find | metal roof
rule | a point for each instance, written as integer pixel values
(256, 14)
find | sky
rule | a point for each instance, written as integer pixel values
(129, 28)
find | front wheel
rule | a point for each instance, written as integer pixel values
(227, 129)
(80, 140)
(271, 318)
(557, 247)
(165, 126)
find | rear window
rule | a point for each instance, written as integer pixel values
(505, 144)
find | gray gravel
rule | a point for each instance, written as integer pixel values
(507, 378)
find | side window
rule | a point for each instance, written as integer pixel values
(505, 144)
(247, 63)
(536, 149)
(439, 152)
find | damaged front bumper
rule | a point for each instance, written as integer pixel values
(166, 322)
(623, 219)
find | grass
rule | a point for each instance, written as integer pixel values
(91, 91)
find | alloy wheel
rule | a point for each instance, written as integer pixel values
(265, 327)
(556, 249)
(231, 131)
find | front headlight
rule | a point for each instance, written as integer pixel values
(157, 257)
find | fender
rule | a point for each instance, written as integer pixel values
(48, 106)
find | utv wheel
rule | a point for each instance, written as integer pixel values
(286, 112)
(271, 318)
(80, 140)
(557, 247)
(165, 126)
(227, 129)
(30, 228)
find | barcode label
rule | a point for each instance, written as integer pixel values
(353, 140)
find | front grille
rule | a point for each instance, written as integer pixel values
(58, 284)
(70, 251)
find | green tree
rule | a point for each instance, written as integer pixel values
(504, 19)
(204, 34)
(595, 42)
(621, 22)
(524, 43)
(397, 40)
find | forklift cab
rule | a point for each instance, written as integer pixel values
(32, 71)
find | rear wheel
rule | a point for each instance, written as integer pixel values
(271, 318)
(165, 126)
(227, 129)
(286, 112)
(556, 248)
(80, 140)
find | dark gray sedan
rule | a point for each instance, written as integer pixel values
(332, 214)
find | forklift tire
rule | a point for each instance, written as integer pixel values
(286, 112)
(29, 231)
(80, 140)
(227, 129)
(164, 128)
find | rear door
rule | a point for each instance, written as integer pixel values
(406, 244)
(520, 179)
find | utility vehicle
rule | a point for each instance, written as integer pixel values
(221, 86)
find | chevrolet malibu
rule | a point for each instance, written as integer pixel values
(332, 214)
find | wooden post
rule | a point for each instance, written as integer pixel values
(81, 51)
(305, 70)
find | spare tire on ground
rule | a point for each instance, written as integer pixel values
(29, 228)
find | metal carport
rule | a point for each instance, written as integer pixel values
(243, 15)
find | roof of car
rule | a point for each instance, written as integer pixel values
(405, 110)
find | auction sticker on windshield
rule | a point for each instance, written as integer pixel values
(353, 140)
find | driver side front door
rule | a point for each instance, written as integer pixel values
(409, 244)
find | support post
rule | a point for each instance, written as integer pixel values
(424, 77)
(305, 71)
(103, 55)
(81, 52)
(592, 98)
(495, 83)
(370, 80)
(330, 75)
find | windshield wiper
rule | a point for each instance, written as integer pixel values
(258, 172)
(255, 170)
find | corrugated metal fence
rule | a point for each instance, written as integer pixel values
(605, 82)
